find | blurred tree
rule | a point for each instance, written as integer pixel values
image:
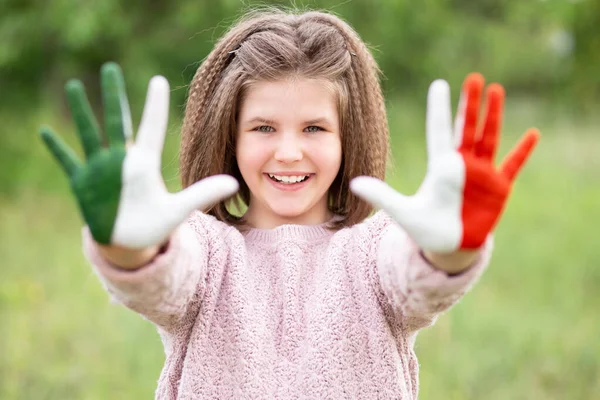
(585, 75)
(47, 42)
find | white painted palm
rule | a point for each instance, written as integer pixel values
(120, 189)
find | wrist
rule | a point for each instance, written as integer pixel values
(452, 263)
(127, 258)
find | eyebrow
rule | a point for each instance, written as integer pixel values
(266, 121)
(261, 120)
(321, 120)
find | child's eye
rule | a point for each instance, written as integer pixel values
(264, 128)
(314, 128)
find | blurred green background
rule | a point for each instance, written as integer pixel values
(529, 329)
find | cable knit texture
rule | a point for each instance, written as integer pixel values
(296, 312)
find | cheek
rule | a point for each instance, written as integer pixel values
(329, 156)
(251, 156)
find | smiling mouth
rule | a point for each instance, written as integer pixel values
(288, 180)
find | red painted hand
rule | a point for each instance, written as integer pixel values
(463, 194)
(486, 187)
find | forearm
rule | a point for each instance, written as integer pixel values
(157, 283)
(452, 263)
(420, 286)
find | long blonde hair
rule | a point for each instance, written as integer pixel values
(272, 45)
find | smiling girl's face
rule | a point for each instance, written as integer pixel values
(288, 150)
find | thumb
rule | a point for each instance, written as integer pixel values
(383, 196)
(206, 192)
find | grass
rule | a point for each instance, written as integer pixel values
(528, 330)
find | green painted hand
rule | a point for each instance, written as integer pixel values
(119, 189)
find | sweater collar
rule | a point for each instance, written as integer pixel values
(291, 231)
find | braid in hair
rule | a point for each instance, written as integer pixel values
(203, 85)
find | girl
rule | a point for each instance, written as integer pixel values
(306, 295)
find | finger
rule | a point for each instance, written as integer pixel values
(117, 117)
(487, 145)
(515, 159)
(85, 121)
(381, 195)
(439, 119)
(469, 111)
(63, 153)
(205, 193)
(151, 134)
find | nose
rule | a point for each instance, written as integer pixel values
(289, 149)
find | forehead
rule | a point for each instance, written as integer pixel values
(297, 98)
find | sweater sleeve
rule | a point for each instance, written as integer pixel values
(414, 288)
(163, 289)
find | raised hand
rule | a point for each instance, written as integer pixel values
(119, 189)
(464, 193)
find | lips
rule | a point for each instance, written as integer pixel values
(289, 182)
(289, 179)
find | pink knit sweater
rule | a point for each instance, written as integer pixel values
(296, 312)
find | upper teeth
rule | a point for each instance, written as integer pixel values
(288, 179)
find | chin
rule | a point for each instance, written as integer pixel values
(290, 211)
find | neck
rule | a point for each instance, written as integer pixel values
(260, 219)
